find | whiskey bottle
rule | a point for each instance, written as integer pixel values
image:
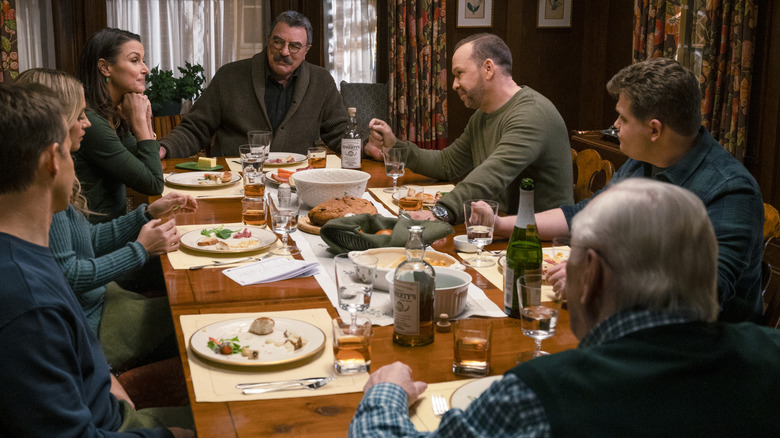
(414, 283)
(351, 144)
(524, 252)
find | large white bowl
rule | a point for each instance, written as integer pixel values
(389, 258)
(452, 290)
(319, 185)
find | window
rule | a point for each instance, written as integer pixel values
(692, 35)
(36, 34)
(350, 32)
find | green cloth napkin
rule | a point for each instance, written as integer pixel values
(344, 234)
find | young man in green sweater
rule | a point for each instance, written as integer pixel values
(515, 133)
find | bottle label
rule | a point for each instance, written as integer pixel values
(351, 149)
(509, 287)
(406, 308)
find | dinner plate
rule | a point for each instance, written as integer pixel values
(193, 165)
(463, 396)
(196, 180)
(263, 237)
(275, 183)
(270, 354)
(269, 162)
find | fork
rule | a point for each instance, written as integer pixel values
(440, 405)
(226, 262)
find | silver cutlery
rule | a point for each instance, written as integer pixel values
(440, 405)
(225, 262)
(260, 388)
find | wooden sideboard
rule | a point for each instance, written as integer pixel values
(594, 140)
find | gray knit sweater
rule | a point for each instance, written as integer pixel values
(94, 255)
(234, 103)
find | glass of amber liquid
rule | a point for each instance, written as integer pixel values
(317, 157)
(471, 341)
(411, 198)
(352, 346)
(253, 211)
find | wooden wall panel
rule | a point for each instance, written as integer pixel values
(74, 22)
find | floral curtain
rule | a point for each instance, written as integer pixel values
(656, 29)
(727, 70)
(418, 71)
(9, 52)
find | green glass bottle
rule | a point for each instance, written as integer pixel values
(524, 252)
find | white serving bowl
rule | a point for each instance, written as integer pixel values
(319, 185)
(462, 244)
(389, 258)
(452, 289)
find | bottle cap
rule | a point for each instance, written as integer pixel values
(284, 191)
(443, 324)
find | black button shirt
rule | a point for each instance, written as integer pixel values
(278, 98)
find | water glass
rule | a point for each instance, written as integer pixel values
(395, 164)
(262, 139)
(480, 217)
(471, 339)
(355, 281)
(352, 346)
(283, 213)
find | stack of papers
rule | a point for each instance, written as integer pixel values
(274, 269)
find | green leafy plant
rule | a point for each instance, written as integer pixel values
(190, 84)
(164, 88)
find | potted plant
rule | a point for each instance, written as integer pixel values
(166, 92)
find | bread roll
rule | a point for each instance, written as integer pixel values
(262, 326)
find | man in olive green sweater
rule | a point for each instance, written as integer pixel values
(515, 133)
(276, 90)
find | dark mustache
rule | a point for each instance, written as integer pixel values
(286, 59)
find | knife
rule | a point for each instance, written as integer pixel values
(300, 384)
(281, 383)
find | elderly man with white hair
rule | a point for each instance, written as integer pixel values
(652, 360)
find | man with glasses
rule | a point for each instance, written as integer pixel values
(276, 90)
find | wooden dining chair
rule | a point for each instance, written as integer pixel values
(589, 168)
(164, 124)
(771, 296)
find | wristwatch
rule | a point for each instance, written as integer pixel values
(440, 213)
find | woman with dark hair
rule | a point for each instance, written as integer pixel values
(119, 150)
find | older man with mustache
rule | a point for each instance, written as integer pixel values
(276, 90)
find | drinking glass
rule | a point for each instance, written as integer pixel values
(480, 217)
(539, 309)
(471, 346)
(261, 138)
(253, 211)
(395, 163)
(352, 346)
(283, 213)
(317, 156)
(355, 281)
(252, 159)
(411, 198)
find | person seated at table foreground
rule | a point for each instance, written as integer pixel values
(132, 329)
(651, 361)
(515, 133)
(659, 123)
(119, 148)
(276, 90)
(56, 379)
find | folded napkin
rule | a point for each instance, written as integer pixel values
(214, 382)
(270, 270)
(356, 233)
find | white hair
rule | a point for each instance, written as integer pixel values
(659, 243)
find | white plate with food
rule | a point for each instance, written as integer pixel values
(271, 177)
(221, 240)
(428, 199)
(463, 396)
(203, 180)
(283, 159)
(257, 341)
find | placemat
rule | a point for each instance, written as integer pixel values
(185, 258)
(235, 190)
(387, 198)
(213, 382)
(495, 275)
(421, 412)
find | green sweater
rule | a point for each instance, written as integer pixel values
(106, 164)
(525, 138)
(234, 104)
(94, 255)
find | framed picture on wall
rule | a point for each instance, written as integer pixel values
(475, 13)
(554, 13)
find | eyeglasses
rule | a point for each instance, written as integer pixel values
(294, 47)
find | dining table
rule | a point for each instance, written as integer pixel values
(210, 292)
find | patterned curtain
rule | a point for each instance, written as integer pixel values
(418, 75)
(656, 29)
(9, 51)
(727, 68)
